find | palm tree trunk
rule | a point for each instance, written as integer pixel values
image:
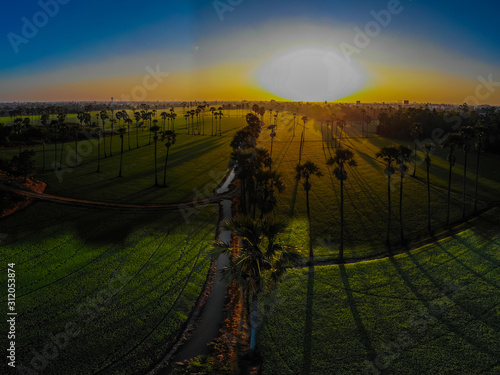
(61, 156)
(449, 196)
(55, 153)
(428, 199)
(415, 160)
(401, 211)
(98, 153)
(156, 171)
(388, 240)
(111, 142)
(104, 145)
(165, 169)
(43, 156)
(254, 322)
(341, 249)
(121, 158)
(465, 180)
(128, 136)
(76, 152)
(477, 181)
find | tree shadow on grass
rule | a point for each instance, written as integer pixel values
(363, 333)
(306, 369)
(435, 310)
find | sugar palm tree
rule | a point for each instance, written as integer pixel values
(415, 133)
(173, 116)
(76, 134)
(403, 158)
(169, 138)
(155, 130)
(428, 147)
(306, 171)
(479, 145)
(342, 159)
(341, 124)
(121, 132)
(212, 109)
(272, 135)
(452, 141)
(466, 138)
(98, 132)
(261, 263)
(266, 183)
(129, 122)
(104, 116)
(164, 116)
(367, 121)
(389, 154)
(137, 117)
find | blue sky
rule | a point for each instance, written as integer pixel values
(89, 41)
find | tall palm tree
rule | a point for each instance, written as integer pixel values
(367, 121)
(466, 138)
(164, 116)
(415, 133)
(272, 135)
(121, 132)
(129, 122)
(306, 171)
(104, 116)
(341, 124)
(403, 158)
(479, 145)
(155, 130)
(169, 138)
(99, 135)
(452, 141)
(138, 117)
(76, 134)
(342, 158)
(212, 109)
(302, 137)
(389, 154)
(261, 263)
(266, 182)
(112, 121)
(428, 147)
(44, 119)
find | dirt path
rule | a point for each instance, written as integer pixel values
(117, 206)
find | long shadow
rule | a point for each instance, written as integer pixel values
(294, 197)
(363, 333)
(306, 369)
(458, 329)
(471, 311)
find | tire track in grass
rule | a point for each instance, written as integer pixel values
(100, 371)
(77, 270)
(181, 270)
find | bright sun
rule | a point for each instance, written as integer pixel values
(311, 74)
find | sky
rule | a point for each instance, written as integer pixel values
(315, 50)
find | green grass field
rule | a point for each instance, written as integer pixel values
(66, 258)
(197, 163)
(365, 192)
(434, 310)
(125, 283)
